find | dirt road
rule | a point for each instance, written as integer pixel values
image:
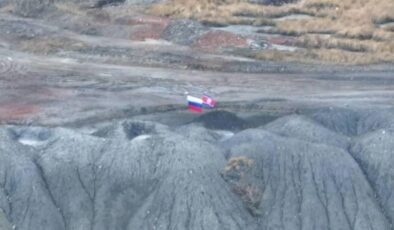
(54, 75)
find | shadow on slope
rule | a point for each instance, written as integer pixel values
(115, 180)
(220, 119)
(293, 173)
(305, 185)
(353, 123)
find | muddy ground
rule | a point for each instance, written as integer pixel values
(96, 134)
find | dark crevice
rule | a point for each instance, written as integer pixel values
(297, 188)
(26, 208)
(41, 173)
(326, 207)
(91, 197)
(342, 201)
(319, 197)
(377, 199)
(283, 198)
(172, 204)
(8, 212)
(357, 208)
(188, 215)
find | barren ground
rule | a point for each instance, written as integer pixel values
(95, 131)
(54, 76)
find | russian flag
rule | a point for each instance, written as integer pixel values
(206, 100)
(194, 104)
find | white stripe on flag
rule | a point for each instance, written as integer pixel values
(194, 99)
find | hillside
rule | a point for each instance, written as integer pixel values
(338, 31)
(144, 175)
(95, 130)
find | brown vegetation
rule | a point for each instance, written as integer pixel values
(251, 196)
(236, 173)
(336, 31)
(238, 164)
(49, 45)
(213, 39)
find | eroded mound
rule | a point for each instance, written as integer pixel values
(293, 173)
(353, 123)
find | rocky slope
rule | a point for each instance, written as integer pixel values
(143, 175)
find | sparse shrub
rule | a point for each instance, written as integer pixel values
(251, 196)
(237, 166)
(236, 173)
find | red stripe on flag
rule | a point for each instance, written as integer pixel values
(195, 108)
(208, 101)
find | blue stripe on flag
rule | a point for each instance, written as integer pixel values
(195, 104)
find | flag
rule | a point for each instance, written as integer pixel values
(207, 100)
(194, 104)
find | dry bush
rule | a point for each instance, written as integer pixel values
(237, 172)
(251, 195)
(238, 164)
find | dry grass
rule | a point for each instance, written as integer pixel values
(49, 45)
(355, 45)
(354, 25)
(238, 163)
(335, 56)
(314, 25)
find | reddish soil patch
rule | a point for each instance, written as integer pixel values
(216, 39)
(14, 112)
(148, 31)
(145, 19)
(147, 27)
